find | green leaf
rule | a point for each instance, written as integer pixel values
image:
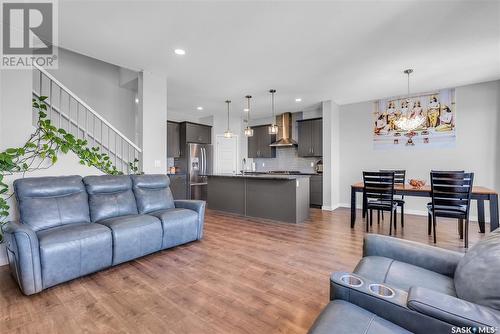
(42, 98)
(61, 131)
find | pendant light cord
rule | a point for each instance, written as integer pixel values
(228, 101)
(248, 110)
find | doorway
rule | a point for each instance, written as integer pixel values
(226, 155)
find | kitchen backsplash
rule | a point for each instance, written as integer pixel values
(287, 158)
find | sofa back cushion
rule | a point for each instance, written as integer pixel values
(477, 274)
(152, 192)
(110, 196)
(46, 202)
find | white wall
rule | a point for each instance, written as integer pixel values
(478, 125)
(103, 87)
(153, 122)
(176, 116)
(331, 155)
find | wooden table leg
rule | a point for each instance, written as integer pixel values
(480, 214)
(493, 212)
(353, 206)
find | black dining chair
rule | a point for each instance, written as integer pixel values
(451, 196)
(378, 194)
(399, 178)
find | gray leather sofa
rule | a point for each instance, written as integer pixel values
(424, 289)
(70, 227)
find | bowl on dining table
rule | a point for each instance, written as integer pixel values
(416, 183)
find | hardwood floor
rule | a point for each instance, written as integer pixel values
(245, 276)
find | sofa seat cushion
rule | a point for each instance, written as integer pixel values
(403, 275)
(74, 250)
(134, 236)
(341, 317)
(179, 226)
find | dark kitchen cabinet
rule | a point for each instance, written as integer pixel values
(258, 144)
(195, 133)
(316, 190)
(178, 185)
(310, 138)
(173, 140)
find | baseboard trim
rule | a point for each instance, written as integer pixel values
(330, 208)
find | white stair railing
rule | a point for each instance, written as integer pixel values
(66, 110)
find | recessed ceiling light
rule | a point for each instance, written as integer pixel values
(245, 110)
(199, 108)
(180, 52)
(136, 100)
(298, 99)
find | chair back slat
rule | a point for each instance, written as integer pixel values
(452, 190)
(399, 175)
(378, 186)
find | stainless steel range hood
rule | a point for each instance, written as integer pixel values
(284, 122)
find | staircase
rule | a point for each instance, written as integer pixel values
(66, 110)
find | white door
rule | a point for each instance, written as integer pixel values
(226, 155)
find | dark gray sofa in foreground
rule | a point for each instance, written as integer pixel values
(419, 288)
(70, 227)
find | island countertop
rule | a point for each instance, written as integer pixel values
(263, 176)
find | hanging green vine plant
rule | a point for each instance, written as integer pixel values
(41, 152)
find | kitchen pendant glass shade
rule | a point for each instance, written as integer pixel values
(273, 128)
(228, 133)
(248, 129)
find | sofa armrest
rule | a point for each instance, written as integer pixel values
(439, 260)
(24, 256)
(195, 205)
(455, 311)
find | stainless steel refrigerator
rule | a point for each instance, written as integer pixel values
(197, 163)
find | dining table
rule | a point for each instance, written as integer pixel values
(479, 193)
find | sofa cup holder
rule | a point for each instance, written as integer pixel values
(381, 290)
(352, 280)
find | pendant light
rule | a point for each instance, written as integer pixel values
(248, 129)
(405, 122)
(228, 133)
(273, 128)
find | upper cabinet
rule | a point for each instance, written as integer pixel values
(258, 144)
(310, 137)
(173, 140)
(195, 133)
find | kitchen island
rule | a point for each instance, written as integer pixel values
(278, 197)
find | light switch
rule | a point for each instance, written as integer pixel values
(312, 164)
(157, 163)
(263, 164)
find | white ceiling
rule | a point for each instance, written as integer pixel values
(345, 51)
